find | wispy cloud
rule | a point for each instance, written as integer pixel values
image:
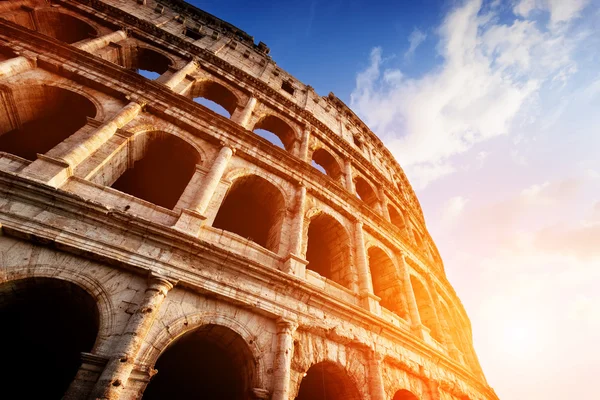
(415, 39)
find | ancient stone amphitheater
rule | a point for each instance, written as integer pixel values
(153, 248)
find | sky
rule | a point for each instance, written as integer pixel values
(493, 110)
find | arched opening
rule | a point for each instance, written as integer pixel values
(253, 208)
(327, 381)
(396, 218)
(451, 327)
(426, 310)
(211, 362)
(64, 27)
(328, 163)
(418, 240)
(48, 321)
(47, 115)
(147, 62)
(215, 97)
(328, 250)
(277, 127)
(386, 283)
(404, 394)
(164, 165)
(366, 193)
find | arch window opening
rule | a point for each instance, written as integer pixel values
(396, 218)
(366, 193)
(404, 394)
(276, 131)
(147, 62)
(254, 209)
(327, 381)
(386, 283)
(327, 164)
(47, 115)
(164, 166)
(328, 250)
(49, 320)
(58, 25)
(426, 310)
(211, 362)
(215, 97)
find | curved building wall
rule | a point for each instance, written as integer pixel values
(213, 254)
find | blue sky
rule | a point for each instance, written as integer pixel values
(493, 110)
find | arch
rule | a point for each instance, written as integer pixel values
(426, 309)
(210, 361)
(279, 128)
(328, 381)
(451, 327)
(64, 27)
(418, 240)
(216, 93)
(386, 283)
(328, 250)
(328, 163)
(404, 394)
(396, 217)
(253, 208)
(45, 116)
(28, 307)
(146, 59)
(163, 166)
(365, 192)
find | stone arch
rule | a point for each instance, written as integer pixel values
(279, 128)
(328, 163)
(328, 380)
(365, 192)
(163, 165)
(29, 110)
(396, 217)
(426, 308)
(386, 281)
(404, 394)
(254, 208)
(147, 59)
(328, 248)
(217, 93)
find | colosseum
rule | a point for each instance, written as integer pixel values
(153, 248)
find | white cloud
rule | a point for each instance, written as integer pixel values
(415, 39)
(561, 11)
(489, 73)
(453, 208)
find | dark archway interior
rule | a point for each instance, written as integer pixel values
(46, 324)
(279, 128)
(150, 60)
(328, 251)
(166, 165)
(64, 27)
(395, 217)
(386, 283)
(212, 362)
(48, 115)
(216, 93)
(328, 163)
(254, 209)
(366, 192)
(404, 394)
(327, 381)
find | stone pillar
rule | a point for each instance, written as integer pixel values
(348, 177)
(15, 66)
(242, 115)
(295, 264)
(413, 308)
(57, 166)
(98, 43)
(435, 306)
(283, 359)
(376, 388)
(303, 153)
(384, 205)
(91, 367)
(180, 75)
(365, 283)
(191, 219)
(114, 378)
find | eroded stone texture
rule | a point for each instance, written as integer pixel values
(177, 254)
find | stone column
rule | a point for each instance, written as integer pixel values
(191, 219)
(242, 115)
(15, 66)
(435, 306)
(348, 176)
(96, 44)
(180, 75)
(365, 283)
(376, 388)
(384, 205)
(283, 359)
(303, 153)
(114, 378)
(294, 263)
(413, 308)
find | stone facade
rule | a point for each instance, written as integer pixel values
(152, 248)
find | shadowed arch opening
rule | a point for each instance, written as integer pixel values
(404, 394)
(327, 381)
(328, 250)
(365, 192)
(426, 310)
(214, 96)
(64, 27)
(386, 283)
(147, 62)
(46, 115)
(164, 165)
(328, 164)
(253, 208)
(276, 126)
(396, 218)
(49, 320)
(211, 362)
